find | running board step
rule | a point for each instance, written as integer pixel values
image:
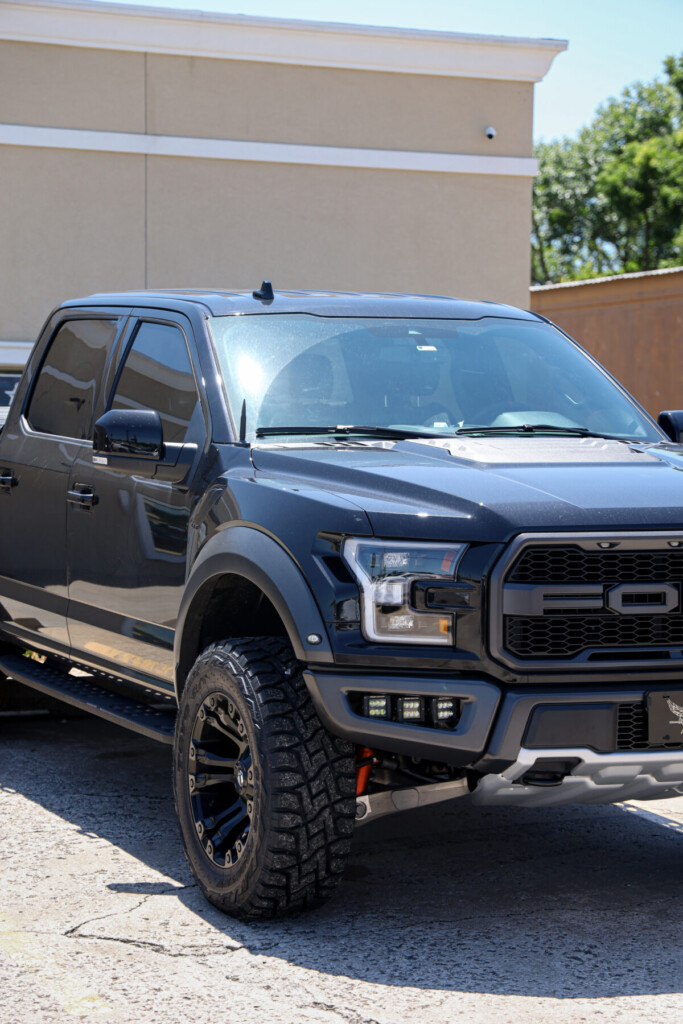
(81, 692)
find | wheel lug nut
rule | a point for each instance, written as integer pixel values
(231, 708)
(212, 702)
(192, 782)
(250, 806)
(193, 753)
(200, 829)
(202, 714)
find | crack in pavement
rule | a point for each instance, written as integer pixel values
(156, 947)
(191, 951)
(71, 932)
(350, 1016)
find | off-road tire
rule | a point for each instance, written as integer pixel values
(294, 847)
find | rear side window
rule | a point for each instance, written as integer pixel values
(64, 393)
(157, 374)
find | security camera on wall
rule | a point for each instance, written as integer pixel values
(490, 132)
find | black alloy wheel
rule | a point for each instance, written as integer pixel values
(221, 780)
(265, 796)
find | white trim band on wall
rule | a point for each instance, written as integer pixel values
(264, 152)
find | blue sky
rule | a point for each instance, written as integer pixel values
(611, 42)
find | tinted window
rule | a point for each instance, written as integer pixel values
(64, 393)
(157, 374)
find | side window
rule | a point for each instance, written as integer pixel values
(157, 374)
(64, 393)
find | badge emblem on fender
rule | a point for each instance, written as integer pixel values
(676, 710)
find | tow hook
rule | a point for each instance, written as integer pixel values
(366, 760)
(546, 772)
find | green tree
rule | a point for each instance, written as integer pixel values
(611, 200)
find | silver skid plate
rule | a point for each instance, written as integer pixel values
(598, 779)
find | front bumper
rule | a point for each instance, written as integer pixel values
(332, 694)
(514, 742)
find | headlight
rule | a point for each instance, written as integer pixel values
(387, 571)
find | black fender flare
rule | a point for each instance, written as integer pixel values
(257, 557)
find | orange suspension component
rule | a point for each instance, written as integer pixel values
(365, 761)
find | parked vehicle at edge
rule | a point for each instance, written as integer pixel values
(8, 385)
(350, 554)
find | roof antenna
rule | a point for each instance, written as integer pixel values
(265, 292)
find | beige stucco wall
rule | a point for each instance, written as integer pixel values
(230, 225)
(72, 87)
(336, 107)
(72, 222)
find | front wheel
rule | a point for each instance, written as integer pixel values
(264, 794)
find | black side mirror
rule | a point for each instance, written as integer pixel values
(671, 422)
(136, 432)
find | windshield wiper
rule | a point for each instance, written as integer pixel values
(345, 431)
(541, 428)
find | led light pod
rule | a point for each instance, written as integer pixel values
(411, 709)
(386, 571)
(444, 711)
(377, 706)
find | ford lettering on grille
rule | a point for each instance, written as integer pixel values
(624, 599)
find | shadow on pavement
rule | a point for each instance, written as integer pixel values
(572, 902)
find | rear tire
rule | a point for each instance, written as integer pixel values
(265, 796)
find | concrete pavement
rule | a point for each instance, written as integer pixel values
(452, 913)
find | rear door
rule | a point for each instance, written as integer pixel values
(48, 424)
(127, 542)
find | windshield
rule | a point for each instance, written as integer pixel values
(431, 376)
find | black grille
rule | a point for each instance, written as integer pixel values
(632, 729)
(604, 634)
(560, 636)
(572, 564)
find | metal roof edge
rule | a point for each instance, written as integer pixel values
(660, 272)
(106, 25)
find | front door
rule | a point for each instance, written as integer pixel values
(37, 449)
(127, 543)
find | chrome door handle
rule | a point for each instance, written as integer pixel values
(83, 498)
(7, 480)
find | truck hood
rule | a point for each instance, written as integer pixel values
(490, 488)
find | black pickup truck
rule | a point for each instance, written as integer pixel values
(350, 554)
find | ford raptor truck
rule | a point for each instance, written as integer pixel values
(349, 554)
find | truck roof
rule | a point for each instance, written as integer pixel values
(226, 303)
